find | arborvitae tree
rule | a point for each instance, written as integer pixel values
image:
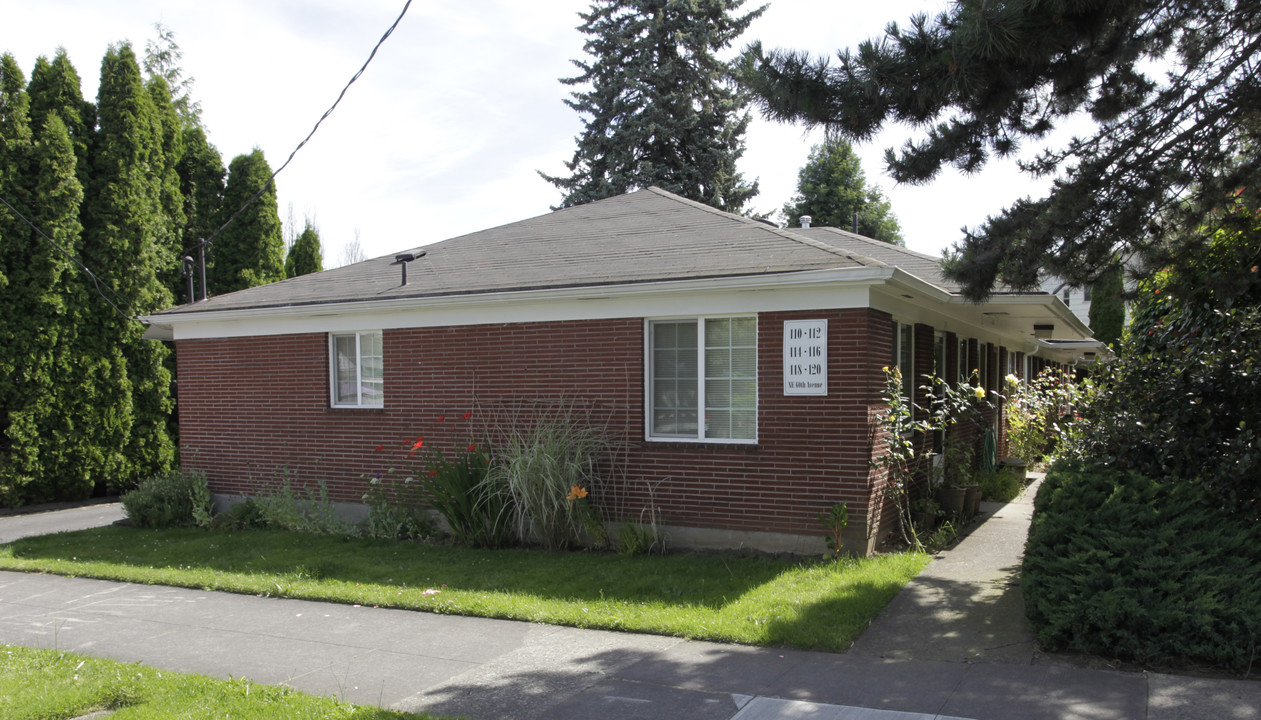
(202, 175)
(832, 188)
(1107, 307)
(987, 76)
(43, 462)
(55, 88)
(305, 255)
(15, 158)
(162, 57)
(124, 217)
(251, 249)
(170, 243)
(657, 107)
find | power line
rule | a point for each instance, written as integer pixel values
(327, 112)
(96, 282)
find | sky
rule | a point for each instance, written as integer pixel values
(448, 128)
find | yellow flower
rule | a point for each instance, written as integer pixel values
(576, 493)
(980, 393)
(885, 368)
(1013, 380)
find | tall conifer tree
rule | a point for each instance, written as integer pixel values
(832, 189)
(1173, 87)
(56, 88)
(124, 220)
(251, 249)
(657, 107)
(305, 255)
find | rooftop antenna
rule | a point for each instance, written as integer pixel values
(403, 258)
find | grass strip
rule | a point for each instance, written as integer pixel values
(808, 604)
(42, 684)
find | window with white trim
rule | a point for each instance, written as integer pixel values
(702, 379)
(904, 355)
(356, 369)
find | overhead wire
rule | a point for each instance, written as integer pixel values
(102, 288)
(96, 282)
(323, 117)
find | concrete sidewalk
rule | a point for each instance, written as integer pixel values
(953, 644)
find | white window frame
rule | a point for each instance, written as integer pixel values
(908, 374)
(700, 381)
(332, 370)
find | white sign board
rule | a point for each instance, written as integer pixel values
(805, 357)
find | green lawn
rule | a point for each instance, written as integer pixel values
(42, 684)
(804, 604)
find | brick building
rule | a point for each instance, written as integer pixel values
(739, 363)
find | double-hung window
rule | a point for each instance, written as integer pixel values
(904, 356)
(356, 369)
(702, 379)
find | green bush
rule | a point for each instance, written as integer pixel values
(999, 485)
(477, 513)
(244, 515)
(180, 497)
(397, 509)
(1127, 567)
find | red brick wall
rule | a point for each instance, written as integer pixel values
(251, 408)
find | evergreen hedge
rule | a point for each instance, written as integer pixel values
(1124, 566)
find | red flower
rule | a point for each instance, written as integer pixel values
(441, 418)
(468, 415)
(379, 448)
(419, 441)
(410, 454)
(472, 448)
(433, 473)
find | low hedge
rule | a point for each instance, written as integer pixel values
(1127, 567)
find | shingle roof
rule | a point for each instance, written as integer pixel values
(644, 236)
(925, 267)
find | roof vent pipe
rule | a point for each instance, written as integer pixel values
(403, 258)
(805, 221)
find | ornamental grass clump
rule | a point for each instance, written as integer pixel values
(548, 466)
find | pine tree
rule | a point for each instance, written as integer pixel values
(657, 107)
(124, 222)
(832, 188)
(250, 250)
(305, 255)
(986, 77)
(1107, 307)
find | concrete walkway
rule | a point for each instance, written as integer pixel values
(953, 644)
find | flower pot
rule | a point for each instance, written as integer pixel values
(972, 499)
(953, 500)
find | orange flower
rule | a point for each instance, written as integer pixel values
(576, 493)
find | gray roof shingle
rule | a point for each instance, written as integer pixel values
(644, 236)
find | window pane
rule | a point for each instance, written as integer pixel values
(665, 363)
(665, 422)
(687, 394)
(744, 332)
(345, 370)
(717, 393)
(674, 378)
(718, 332)
(717, 362)
(743, 424)
(743, 363)
(718, 423)
(687, 423)
(686, 335)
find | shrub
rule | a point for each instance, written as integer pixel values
(999, 485)
(1123, 566)
(180, 497)
(244, 515)
(286, 506)
(478, 513)
(397, 509)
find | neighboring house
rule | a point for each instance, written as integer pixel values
(740, 363)
(1077, 299)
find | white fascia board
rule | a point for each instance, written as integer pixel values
(807, 290)
(1055, 308)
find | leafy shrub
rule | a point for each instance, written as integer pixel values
(999, 485)
(178, 498)
(477, 512)
(285, 506)
(397, 509)
(244, 515)
(1120, 565)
